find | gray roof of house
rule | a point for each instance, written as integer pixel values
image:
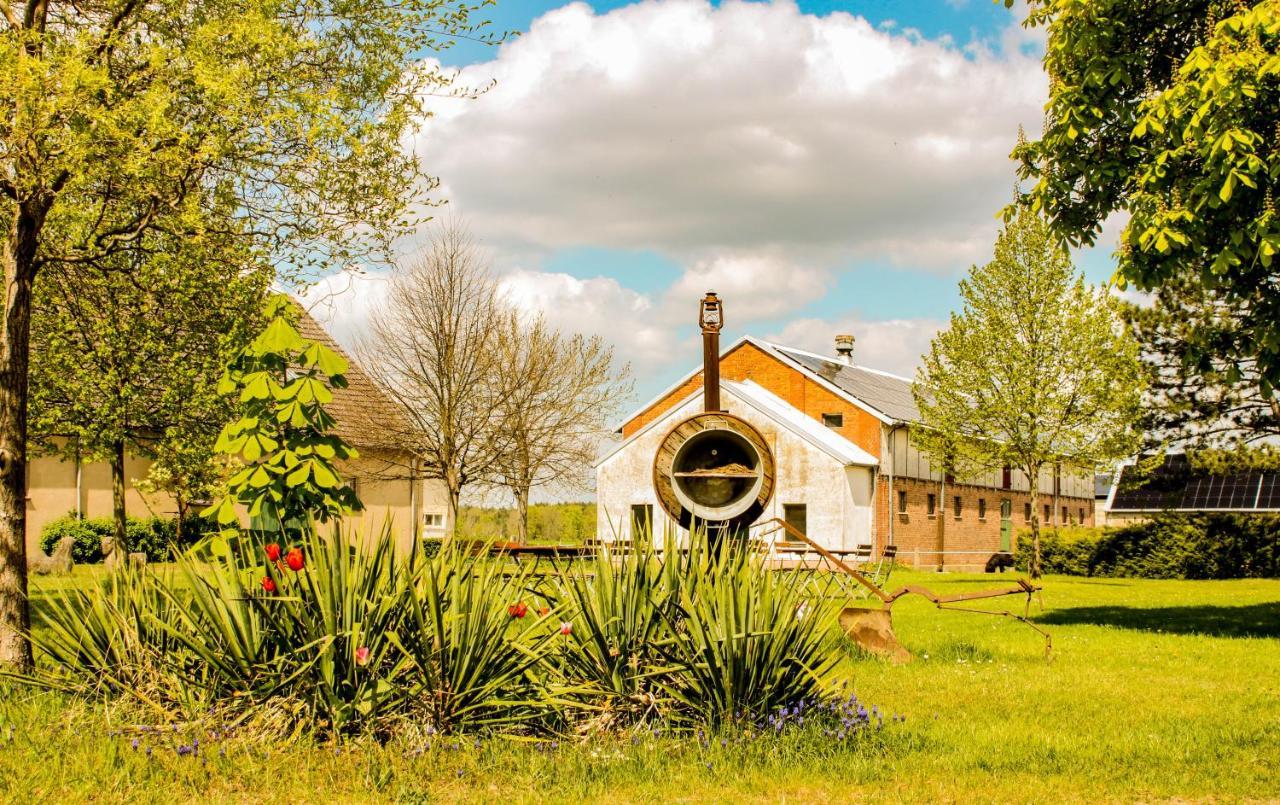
(888, 394)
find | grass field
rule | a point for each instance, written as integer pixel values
(1156, 690)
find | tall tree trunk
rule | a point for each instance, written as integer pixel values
(1034, 566)
(453, 485)
(942, 523)
(181, 501)
(521, 492)
(118, 514)
(15, 340)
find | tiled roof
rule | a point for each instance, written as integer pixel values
(366, 417)
(888, 394)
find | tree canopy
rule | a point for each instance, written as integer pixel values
(120, 118)
(1169, 113)
(1197, 400)
(127, 354)
(1035, 370)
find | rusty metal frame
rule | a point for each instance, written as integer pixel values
(947, 602)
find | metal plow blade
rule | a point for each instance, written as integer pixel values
(872, 629)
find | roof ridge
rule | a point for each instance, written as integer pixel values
(834, 360)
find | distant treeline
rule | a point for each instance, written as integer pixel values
(565, 523)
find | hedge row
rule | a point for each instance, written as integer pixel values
(152, 535)
(1205, 546)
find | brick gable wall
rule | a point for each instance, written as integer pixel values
(749, 362)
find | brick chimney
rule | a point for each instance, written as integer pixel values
(844, 348)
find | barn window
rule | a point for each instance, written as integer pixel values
(1066, 518)
(641, 520)
(1082, 517)
(1048, 513)
(1006, 477)
(933, 504)
(796, 515)
(1026, 512)
(902, 501)
(433, 519)
(833, 420)
(955, 506)
(982, 508)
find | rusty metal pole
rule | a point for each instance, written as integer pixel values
(711, 319)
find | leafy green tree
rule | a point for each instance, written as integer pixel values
(282, 440)
(1037, 369)
(127, 355)
(1198, 400)
(1169, 112)
(119, 118)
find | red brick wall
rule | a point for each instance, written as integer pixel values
(749, 362)
(915, 534)
(967, 542)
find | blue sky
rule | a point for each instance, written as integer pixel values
(826, 166)
(961, 19)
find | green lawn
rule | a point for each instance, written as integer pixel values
(1156, 690)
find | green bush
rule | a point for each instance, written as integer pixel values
(1169, 546)
(153, 535)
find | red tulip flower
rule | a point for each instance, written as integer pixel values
(544, 612)
(268, 584)
(566, 628)
(273, 552)
(518, 610)
(362, 656)
(294, 559)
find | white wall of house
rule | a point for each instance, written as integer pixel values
(911, 462)
(837, 497)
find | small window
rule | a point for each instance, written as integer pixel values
(433, 519)
(1066, 518)
(1082, 517)
(982, 508)
(796, 515)
(641, 520)
(833, 420)
(955, 506)
(1026, 512)
(1048, 514)
(933, 504)
(1006, 477)
(902, 501)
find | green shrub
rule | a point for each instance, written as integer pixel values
(153, 535)
(1169, 546)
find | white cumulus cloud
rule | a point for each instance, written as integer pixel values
(698, 130)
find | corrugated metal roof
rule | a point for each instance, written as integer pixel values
(888, 394)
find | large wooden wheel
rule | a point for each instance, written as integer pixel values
(714, 467)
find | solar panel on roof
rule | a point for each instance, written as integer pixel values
(1176, 486)
(1269, 492)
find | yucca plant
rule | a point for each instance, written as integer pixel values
(614, 605)
(111, 640)
(472, 643)
(315, 623)
(748, 640)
